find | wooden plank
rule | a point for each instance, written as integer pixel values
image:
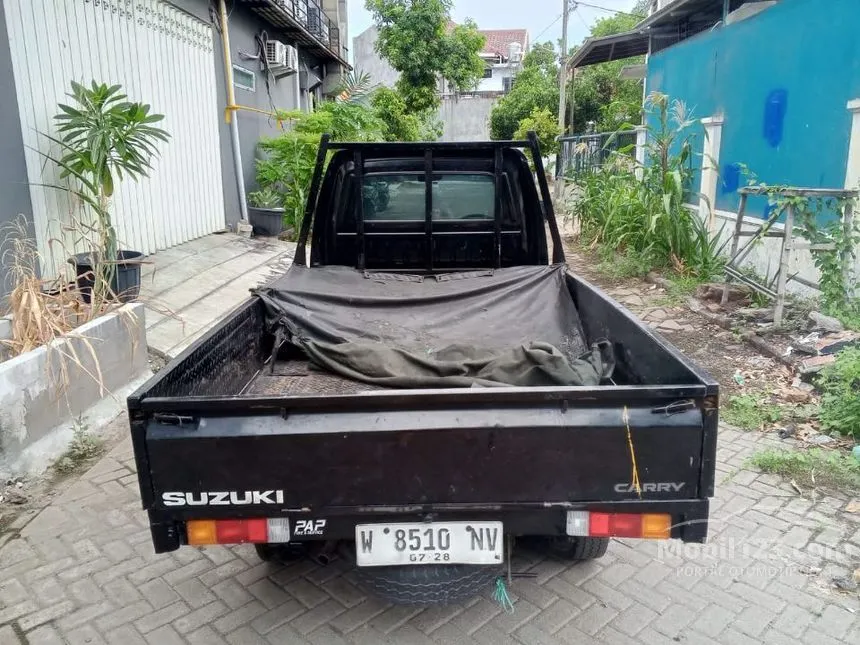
(739, 222)
(801, 246)
(783, 266)
(792, 191)
(847, 254)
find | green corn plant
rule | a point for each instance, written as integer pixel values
(647, 217)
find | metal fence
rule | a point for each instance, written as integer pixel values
(307, 13)
(588, 152)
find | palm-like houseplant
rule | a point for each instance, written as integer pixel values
(105, 138)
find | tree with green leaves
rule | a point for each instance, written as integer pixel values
(288, 160)
(398, 124)
(415, 38)
(543, 123)
(534, 88)
(598, 93)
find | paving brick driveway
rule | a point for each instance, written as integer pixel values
(83, 571)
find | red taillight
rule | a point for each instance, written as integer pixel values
(633, 525)
(231, 531)
(257, 530)
(625, 525)
(597, 525)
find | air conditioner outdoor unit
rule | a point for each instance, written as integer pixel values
(292, 59)
(281, 58)
(276, 53)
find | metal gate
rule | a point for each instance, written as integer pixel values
(160, 56)
(584, 153)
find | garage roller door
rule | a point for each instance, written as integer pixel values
(161, 56)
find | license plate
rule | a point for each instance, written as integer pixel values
(380, 545)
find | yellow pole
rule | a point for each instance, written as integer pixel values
(228, 113)
(228, 63)
(228, 72)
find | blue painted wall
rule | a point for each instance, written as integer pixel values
(782, 79)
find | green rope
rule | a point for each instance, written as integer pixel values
(500, 595)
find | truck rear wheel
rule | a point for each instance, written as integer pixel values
(577, 548)
(428, 584)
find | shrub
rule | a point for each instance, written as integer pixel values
(287, 169)
(84, 448)
(398, 124)
(289, 159)
(840, 405)
(535, 87)
(545, 125)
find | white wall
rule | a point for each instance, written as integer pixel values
(365, 59)
(496, 83)
(466, 119)
(44, 390)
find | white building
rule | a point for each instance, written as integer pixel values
(503, 54)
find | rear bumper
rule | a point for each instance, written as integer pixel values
(689, 519)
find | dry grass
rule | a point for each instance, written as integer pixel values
(41, 310)
(46, 312)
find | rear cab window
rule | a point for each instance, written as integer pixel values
(455, 196)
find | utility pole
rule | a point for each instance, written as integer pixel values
(562, 87)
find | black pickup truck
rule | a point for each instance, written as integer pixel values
(426, 387)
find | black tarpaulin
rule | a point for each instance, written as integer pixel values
(515, 326)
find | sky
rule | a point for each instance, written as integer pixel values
(542, 18)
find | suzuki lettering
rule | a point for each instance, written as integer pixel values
(224, 498)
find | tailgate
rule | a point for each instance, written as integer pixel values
(548, 453)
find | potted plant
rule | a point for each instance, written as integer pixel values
(286, 169)
(265, 211)
(103, 138)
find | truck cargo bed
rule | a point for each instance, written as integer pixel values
(300, 377)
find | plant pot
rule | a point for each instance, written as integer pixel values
(126, 278)
(266, 221)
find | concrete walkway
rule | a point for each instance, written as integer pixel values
(83, 571)
(189, 287)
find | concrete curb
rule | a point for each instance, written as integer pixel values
(44, 391)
